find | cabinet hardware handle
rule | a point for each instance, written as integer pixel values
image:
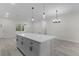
(22, 38)
(17, 39)
(22, 42)
(31, 48)
(31, 43)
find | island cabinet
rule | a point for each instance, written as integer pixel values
(35, 44)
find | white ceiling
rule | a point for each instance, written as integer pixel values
(23, 11)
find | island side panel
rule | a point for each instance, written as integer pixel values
(45, 48)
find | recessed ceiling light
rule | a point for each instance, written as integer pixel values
(7, 14)
(12, 3)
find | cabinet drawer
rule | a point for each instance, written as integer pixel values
(30, 42)
(19, 38)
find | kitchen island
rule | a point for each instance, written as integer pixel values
(30, 44)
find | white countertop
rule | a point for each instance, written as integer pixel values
(37, 37)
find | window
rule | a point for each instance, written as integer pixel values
(20, 27)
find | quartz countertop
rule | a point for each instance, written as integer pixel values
(37, 37)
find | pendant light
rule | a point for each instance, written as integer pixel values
(56, 20)
(44, 12)
(7, 14)
(44, 23)
(32, 14)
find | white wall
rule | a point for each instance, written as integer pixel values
(39, 27)
(7, 30)
(74, 27)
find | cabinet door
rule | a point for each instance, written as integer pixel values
(35, 47)
(25, 46)
(31, 47)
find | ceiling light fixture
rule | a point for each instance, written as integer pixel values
(32, 14)
(56, 20)
(7, 14)
(44, 16)
(12, 3)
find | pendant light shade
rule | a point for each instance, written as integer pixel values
(7, 14)
(56, 20)
(32, 19)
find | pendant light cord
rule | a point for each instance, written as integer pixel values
(32, 11)
(43, 9)
(56, 14)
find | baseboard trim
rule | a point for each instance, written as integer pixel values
(67, 40)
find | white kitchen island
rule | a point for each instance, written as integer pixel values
(30, 44)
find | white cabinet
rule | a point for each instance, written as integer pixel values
(29, 45)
